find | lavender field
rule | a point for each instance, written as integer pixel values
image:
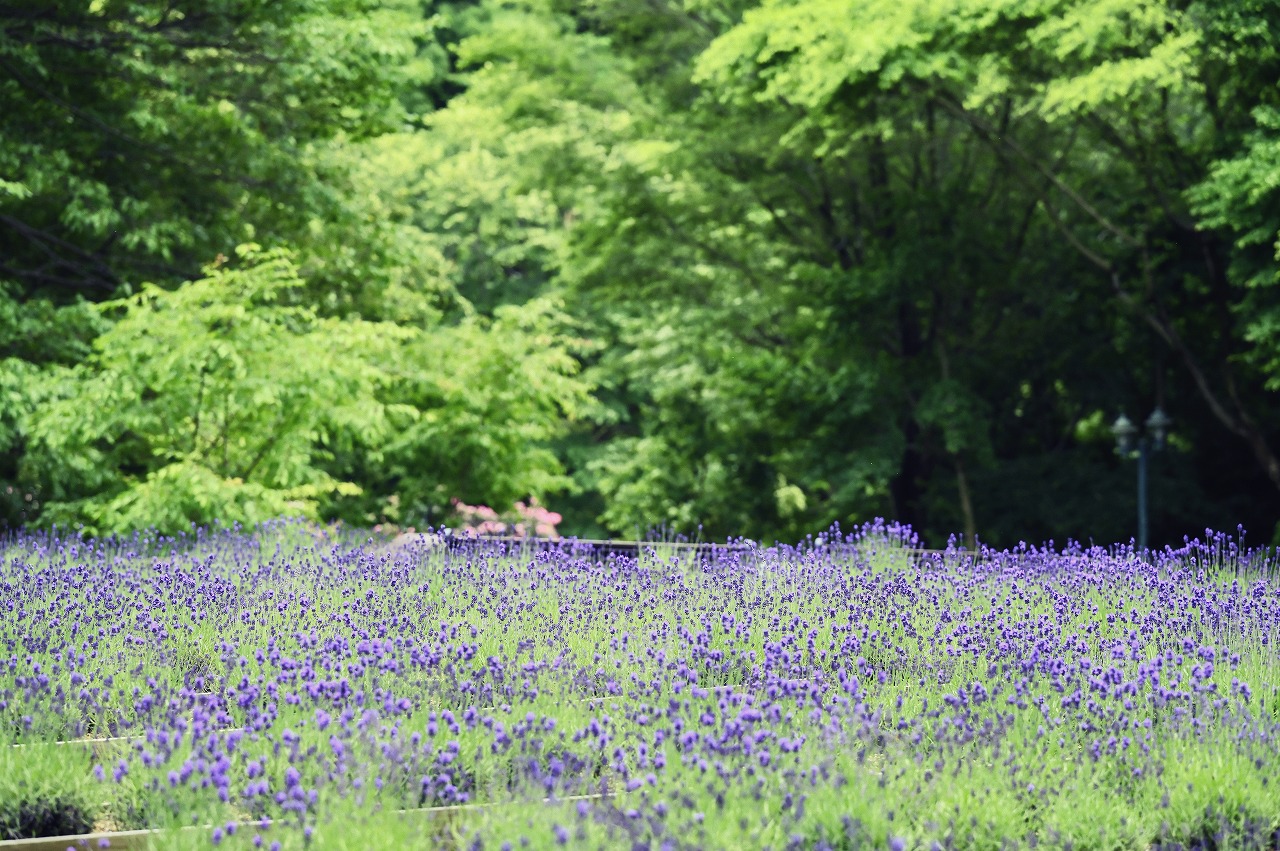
(301, 689)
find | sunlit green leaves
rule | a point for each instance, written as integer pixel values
(1241, 196)
(492, 392)
(228, 399)
(222, 376)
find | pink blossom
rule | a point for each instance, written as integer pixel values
(484, 520)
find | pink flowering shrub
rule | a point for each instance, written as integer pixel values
(524, 520)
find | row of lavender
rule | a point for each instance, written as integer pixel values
(294, 689)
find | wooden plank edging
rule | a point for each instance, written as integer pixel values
(140, 839)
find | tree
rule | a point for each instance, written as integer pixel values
(911, 265)
(228, 400)
(138, 138)
(1108, 114)
(839, 271)
(214, 401)
(141, 140)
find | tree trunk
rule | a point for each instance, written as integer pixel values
(904, 488)
(966, 504)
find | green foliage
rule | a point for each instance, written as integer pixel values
(493, 393)
(228, 400)
(952, 191)
(324, 380)
(212, 401)
(137, 138)
(715, 263)
(1241, 196)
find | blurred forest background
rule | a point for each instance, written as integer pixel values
(718, 266)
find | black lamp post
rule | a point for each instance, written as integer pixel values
(1129, 444)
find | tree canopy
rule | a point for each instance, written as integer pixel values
(738, 267)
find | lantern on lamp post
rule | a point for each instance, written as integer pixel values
(1132, 444)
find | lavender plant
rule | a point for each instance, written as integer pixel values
(307, 687)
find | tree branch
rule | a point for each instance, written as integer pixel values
(1001, 140)
(97, 275)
